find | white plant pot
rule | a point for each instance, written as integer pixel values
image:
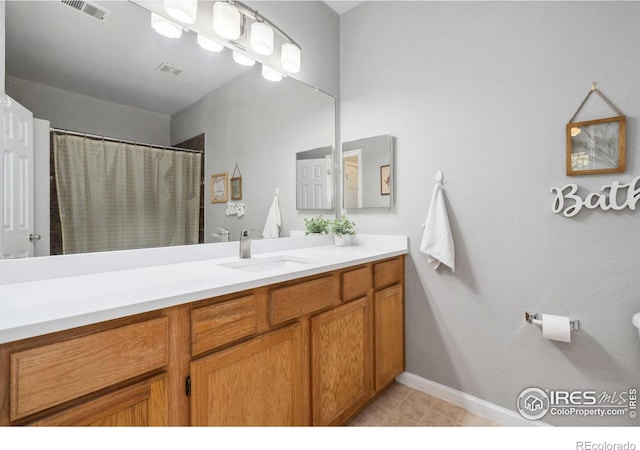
(342, 241)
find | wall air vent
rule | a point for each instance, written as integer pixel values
(169, 69)
(89, 9)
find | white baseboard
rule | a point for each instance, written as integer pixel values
(472, 404)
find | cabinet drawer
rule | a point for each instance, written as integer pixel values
(219, 324)
(46, 376)
(143, 404)
(387, 273)
(294, 301)
(356, 283)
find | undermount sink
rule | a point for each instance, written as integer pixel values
(269, 264)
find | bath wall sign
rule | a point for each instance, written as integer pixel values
(615, 196)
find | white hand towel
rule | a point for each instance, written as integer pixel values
(437, 241)
(274, 223)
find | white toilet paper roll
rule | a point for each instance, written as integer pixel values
(556, 328)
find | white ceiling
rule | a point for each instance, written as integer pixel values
(340, 6)
(50, 43)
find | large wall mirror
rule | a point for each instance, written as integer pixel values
(118, 78)
(367, 173)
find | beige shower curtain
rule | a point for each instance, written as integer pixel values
(116, 196)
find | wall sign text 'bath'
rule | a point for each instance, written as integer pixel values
(611, 197)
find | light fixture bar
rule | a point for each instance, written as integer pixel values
(254, 15)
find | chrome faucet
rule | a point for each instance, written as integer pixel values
(245, 243)
(223, 234)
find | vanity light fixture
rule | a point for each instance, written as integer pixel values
(237, 27)
(261, 38)
(290, 57)
(182, 10)
(243, 60)
(271, 74)
(165, 27)
(261, 32)
(209, 44)
(227, 20)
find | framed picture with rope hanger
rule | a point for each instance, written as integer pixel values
(236, 184)
(596, 146)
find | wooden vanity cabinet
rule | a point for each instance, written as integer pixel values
(312, 351)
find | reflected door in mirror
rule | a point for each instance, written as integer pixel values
(314, 179)
(352, 180)
(17, 153)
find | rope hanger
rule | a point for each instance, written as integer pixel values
(602, 96)
(237, 169)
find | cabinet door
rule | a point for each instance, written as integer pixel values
(255, 383)
(388, 314)
(341, 361)
(143, 404)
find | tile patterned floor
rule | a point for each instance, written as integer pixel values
(403, 406)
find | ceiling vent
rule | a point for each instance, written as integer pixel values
(169, 69)
(89, 9)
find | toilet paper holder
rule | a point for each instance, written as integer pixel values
(534, 316)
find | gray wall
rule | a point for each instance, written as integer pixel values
(260, 125)
(76, 112)
(482, 91)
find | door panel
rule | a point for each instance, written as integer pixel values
(17, 143)
(341, 361)
(256, 383)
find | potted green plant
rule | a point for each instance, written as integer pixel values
(317, 225)
(342, 229)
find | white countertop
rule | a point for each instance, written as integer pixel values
(45, 304)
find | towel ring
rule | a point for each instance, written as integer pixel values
(439, 177)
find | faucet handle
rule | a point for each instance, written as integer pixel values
(223, 231)
(245, 233)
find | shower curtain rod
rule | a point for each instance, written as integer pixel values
(123, 141)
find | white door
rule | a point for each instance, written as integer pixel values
(312, 184)
(352, 179)
(17, 154)
(351, 183)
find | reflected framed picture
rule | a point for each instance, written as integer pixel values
(236, 188)
(596, 146)
(219, 188)
(385, 180)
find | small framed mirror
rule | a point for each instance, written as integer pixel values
(596, 146)
(367, 173)
(314, 179)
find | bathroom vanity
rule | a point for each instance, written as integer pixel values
(307, 336)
